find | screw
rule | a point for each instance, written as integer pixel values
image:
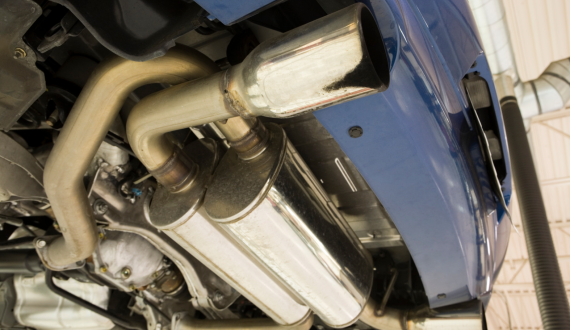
(103, 269)
(355, 131)
(126, 272)
(41, 243)
(19, 53)
(100, 207)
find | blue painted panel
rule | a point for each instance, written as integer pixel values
(501, 229)
(228, 11)
(419, 152)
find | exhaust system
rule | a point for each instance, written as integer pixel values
(274, 206)
(180, 216)
(328, 61)
(263, 194)
(84, 130)
(299, 249)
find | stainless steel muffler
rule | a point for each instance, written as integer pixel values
(180, 216)
(277, 209)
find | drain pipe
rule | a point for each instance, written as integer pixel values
(548, 93)
(550, 289)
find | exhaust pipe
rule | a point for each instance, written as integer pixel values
(329, 61)
(84, 130)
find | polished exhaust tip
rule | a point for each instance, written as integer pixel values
(328, 61)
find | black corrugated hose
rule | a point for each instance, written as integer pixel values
(550, 290)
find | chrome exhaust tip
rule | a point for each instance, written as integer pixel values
(328, 61)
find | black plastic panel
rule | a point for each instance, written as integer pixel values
(138, 30)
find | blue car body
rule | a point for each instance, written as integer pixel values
(419, 152)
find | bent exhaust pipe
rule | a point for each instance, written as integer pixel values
(84, 130)
(328, 61)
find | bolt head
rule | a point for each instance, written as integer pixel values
(355, 131)
(100, 207)
(41, 243)
(103, 269)
(19, 53)
(132, 287)
(126, 272)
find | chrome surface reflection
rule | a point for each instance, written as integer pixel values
(333, 59)
(275, 206)
(180, 217)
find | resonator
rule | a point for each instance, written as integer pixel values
(277, 209)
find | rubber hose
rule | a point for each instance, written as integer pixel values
(118, 320)
(550, 290)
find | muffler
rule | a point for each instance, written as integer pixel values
(180, 216)
(277, 209)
